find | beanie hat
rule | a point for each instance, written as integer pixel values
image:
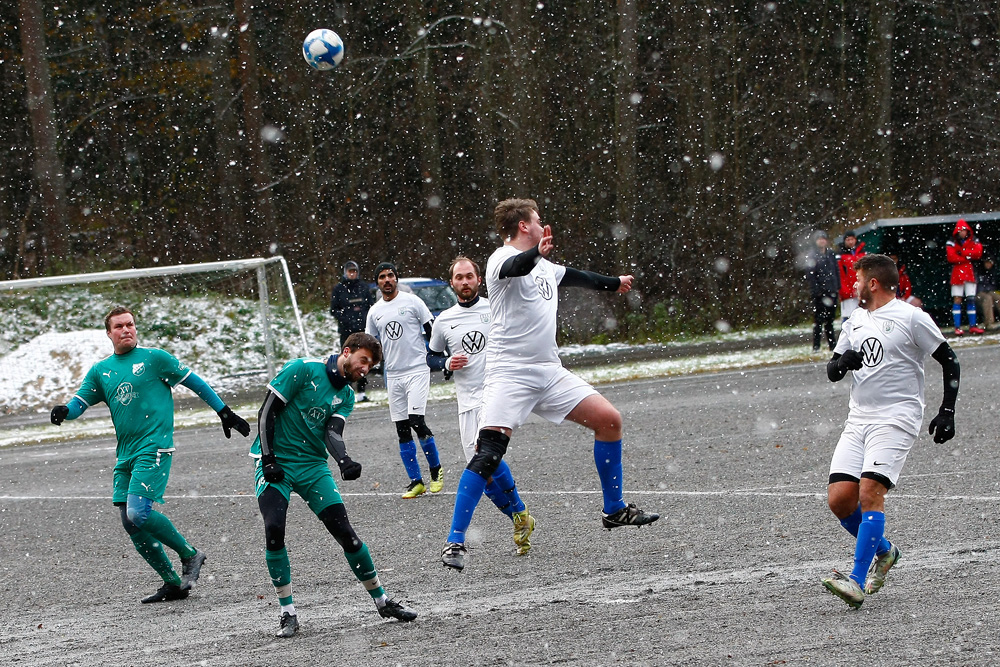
(383, 266)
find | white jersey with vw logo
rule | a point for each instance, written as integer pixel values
(523, 310)
(399, 326)
(463, 330)
(893, 341)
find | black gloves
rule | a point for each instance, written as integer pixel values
(230, 420)
(273, 472)
(349, 469)
(943, 426)
(448, 374)
(851, 361)
(58, 414)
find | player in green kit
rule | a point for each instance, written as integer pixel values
(136, 383)
(301, 420)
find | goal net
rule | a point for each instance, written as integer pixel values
(233, 323)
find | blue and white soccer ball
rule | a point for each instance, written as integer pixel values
(323, 49)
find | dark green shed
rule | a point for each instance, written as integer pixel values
(920, 244)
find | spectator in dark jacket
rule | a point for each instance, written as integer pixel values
(349, 304)
(988, 296)
(823, 274)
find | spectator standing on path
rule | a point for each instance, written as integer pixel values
(136, 384)
(884, 345)
(524, 374)
(823, 274)
(961, 249)
(349, 304)
(458, 344)
(301, 420)
(402, 323)
(905, 289)
(988, 297)
(851, 251)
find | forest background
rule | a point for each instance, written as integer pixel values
(692, 143)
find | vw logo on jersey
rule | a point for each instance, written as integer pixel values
(393, 330)
(124, 393)
(543, 287)
(872, 352)
(315, 417)
(474, 342)
(138, 369)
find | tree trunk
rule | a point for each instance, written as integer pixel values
(47, 168)
(625, 131)
(879, 79)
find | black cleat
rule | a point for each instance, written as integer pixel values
(167, 593)
(192, 568)
(289, 625)
(453, 555)
(630, 515)
(393, 609)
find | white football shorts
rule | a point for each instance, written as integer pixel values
(878, 448)
(965, 289)
(468, 427)
(548, 390)
(408, 394)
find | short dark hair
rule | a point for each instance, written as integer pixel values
(881, 268)
(462, 258)
(359, 340)
(115, 312)
(509, 212)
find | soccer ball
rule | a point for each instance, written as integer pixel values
(323, 49)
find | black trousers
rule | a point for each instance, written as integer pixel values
(825, 307)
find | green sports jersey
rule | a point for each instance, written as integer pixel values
(310, 400)
(137, 388)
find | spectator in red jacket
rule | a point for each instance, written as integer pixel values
(904, 290)
(851, 252)
(961, 249)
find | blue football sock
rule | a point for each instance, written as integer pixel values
(956, 314)
(970, 310)
(470, 489)
(408, 452)
(608, 458)
(430, 451)
(505, 481)
(498, 497)
(851, 525)
(870, 533)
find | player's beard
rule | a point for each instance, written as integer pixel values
(467, 293)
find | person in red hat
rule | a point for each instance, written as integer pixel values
(962, 248)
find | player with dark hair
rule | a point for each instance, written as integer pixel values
(302, 420)
(458, 344)
(136, 383)
(884, 344)
(524, 373)
(402, 323)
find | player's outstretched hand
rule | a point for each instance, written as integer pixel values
(273, 472)
(851, 361)
(231, 420)
(349, 469)
(58, 414)
(626, 284)
(458, 361)
(545, 245)
(943, 426)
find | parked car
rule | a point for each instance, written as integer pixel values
(437, 294)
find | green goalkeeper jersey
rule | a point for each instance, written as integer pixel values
(137, 388)
(310, 400)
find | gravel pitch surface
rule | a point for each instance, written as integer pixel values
(735, 462)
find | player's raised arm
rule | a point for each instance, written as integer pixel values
(72, 410)
(230, 420)
(596, 281)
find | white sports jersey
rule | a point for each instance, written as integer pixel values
(463, 330)
(889, 388)
(523, 313)
(399, 326)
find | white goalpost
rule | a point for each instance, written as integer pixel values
(230, 321)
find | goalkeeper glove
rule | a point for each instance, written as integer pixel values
(349, 469)
(231, 420)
